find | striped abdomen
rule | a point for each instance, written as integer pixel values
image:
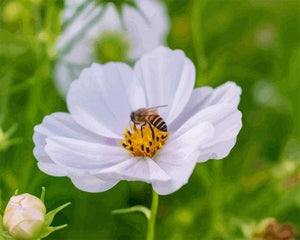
(158, 122)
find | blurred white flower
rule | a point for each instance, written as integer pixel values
(107, 39)
(24, 216)
(85, 143)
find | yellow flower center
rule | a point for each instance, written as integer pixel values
(144, 142)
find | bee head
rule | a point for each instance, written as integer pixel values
(132, 116)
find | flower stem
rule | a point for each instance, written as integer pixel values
(151, 220)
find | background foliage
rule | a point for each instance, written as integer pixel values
(252, 42)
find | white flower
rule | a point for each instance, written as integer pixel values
(143, 30)
(85, 143)
(24, 216)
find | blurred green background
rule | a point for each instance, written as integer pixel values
(255, 43)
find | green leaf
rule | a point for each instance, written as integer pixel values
(50, 215)
(48, 230)
(137, 208)
(11, 130)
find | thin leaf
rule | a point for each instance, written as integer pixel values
(11, 130)
(138, 208)
(50, 215)
(4, 235)
(48, 230)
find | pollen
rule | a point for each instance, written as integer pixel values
(144, 142)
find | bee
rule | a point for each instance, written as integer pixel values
(150, 116)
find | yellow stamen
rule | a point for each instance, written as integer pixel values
(142, 143)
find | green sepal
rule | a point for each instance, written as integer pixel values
(139, 208)
(48, 230)
(133, 4)
(42, 197)
(5, 236)
(119, 9)
(50, 215)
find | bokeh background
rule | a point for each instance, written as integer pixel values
(255, 43)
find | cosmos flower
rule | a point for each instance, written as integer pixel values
(95, 146)
(110, 38)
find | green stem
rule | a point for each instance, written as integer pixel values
(151, 220)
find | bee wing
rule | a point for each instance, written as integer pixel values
(153, 110)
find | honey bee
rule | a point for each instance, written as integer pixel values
(150, 116)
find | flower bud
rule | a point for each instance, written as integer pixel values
(24, 217)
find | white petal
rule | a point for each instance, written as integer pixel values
(81, 53)
(103, 97)
(203, 97)
(60, 124)
(80, 156)
(226, 132)
(63, 77)
(136, 169)
(68, 68)
(146, 27)
(227, 123)
(218, 150)
(89, 183)
(167, 77)
(179, 157)
(228, 93)
(73, 31)
(52, 169)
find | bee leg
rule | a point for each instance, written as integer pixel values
(142, 126)
(130, 122)
(152, 131)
